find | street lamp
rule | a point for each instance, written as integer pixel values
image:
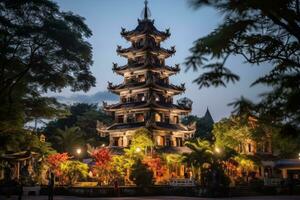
(217, 150)
(299, 156)
(78, 151)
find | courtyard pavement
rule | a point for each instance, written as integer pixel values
(153, 198)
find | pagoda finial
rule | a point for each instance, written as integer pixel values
(146, 11)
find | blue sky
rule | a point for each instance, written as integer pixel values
(106, 17)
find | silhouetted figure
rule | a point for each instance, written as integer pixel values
(291, 184)
(19, 189)
(116, 188)
(51, 186)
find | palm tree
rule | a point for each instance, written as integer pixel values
(242, 107)
(201, 153)
(205, 152)
(69, 138)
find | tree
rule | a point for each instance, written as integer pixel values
(141, 175)
(142, 140)
(208, 158)
(156, 165)
(104, 167)
(84, 116)
(203, 126)
(42, 49)
(68, 139)
(261, 34)
(286, 144)
(24, 141)
(73, 170)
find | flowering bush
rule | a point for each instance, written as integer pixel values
(102, 157)
(55, 160)
(104, 169)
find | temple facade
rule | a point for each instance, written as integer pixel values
(146, 94)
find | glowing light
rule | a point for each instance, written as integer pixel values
(138, 149)
(78, 151)
(218, 150)
(103, 145)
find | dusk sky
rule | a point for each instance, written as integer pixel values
(106, 17)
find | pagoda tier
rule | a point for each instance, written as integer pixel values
(145, 27)
(140, 67)
(134, 52)
(146, 85)
(147, 105)
(158, 126)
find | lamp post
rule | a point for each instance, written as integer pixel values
(78, 152)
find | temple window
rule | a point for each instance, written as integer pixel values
(157, 98)
(139, 117)
(120, 119)
(140, 43)
(130, 118)
(168, 142)
(168, 100)
(160, 140)
(249, 148)
(158, 117)
(130, 99)
(179, 142)
(141, 97)
(117, 141)
(141, 78)
(167, 119)
(123, 99)
(176, 119)
(240, 148)
(259, 147)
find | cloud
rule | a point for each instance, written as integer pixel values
(96, 98)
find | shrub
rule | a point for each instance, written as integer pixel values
(141, 175)
(74, 169)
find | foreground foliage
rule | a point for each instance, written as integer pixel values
(261, 34)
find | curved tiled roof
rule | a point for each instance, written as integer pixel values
(143, 27)
(126, 126)
(153, 50)
(145, 104)
(119, 69)
(135, 85)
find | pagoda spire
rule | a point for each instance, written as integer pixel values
(208, 116)
(146, 10)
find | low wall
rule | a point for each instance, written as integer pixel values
(126, 191)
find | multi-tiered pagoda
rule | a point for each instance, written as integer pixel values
(146, 95)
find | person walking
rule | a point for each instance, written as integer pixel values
(116, 188)
(51, 186)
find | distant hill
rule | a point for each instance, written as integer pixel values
(90, 99)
